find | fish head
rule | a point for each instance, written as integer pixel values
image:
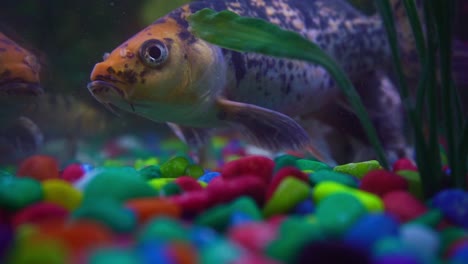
(19, 70)
(162, 73)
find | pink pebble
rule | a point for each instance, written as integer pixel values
(403, 205)
(192, 202)
(281, 175)
(404, 164)
(188, 183)
(223, 191)
(73, 172)
(380, 182)
(254, 236)
(260, 166)
(254, 259)
(40, 213)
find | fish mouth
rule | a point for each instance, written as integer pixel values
(107, 93)
(101, 89)
(20, 88)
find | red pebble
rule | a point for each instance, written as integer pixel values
(188, 183)
(223, 191)
(40, 213)
(380, 182)
(404, 164)
(39, 167)
(254, 236)
(192, 202)
(403, 205)
(72, 173)
(283, 173)
(260, 166)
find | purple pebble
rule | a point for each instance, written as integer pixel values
(396, 259)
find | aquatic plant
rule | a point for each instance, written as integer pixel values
(433, 38)
(231, 31)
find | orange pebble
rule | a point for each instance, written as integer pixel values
(77, 236)
(183, 253)
(39, 167)
(147, 208)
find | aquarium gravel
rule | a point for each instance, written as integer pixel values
(130, 207)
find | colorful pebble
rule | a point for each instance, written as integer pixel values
(39, 167)
(372, 202)
(249, 210)
(380, 182)
(61, 192)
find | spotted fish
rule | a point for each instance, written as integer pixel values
(19, 87)
(167, 74)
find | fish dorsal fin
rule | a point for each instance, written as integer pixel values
(264, 127)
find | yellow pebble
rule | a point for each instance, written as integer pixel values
(160, 182)
(372, 202)
(203, 184)
(62, 193)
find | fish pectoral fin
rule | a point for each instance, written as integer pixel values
(264, 127)
(194, 137)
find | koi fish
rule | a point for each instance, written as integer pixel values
(19, 87)
(167, 74)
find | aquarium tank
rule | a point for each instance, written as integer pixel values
(234, 131)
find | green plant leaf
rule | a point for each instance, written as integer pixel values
(231, 31)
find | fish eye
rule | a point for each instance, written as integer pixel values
(153, 53)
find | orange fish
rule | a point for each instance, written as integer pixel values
(19, 69)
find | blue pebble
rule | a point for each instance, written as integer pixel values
(239, 218)
(396, 259)
(453, 204)
(207, 177)
(203, 236)
(460, 255)
(370, 229)
(305, 207)
(154, 252)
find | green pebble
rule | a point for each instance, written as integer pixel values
(450, 235)
(120, 184)
(163, 228)
(388, 246)
(108, 212)
(114, 256)
(170, 189)
(292, 235)
(47, 252)
(223, 251)
(431, 218)
(4, 173)
(358, 169)
(216, 217)
(174, 167)
(19, 192)
(288, 194)
(311, 165)
(329, 175)
(285, 161)
(337, 212)
(247, 205)
(150, 172)
(194, 171)
(414, 182)
(219, 217)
